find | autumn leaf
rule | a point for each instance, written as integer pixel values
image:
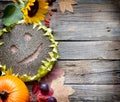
(54, 74)
(61, 92)
(35, 88)
(66, 5)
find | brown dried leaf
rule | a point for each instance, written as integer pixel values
(62, 6)
(61, 92)
(73, 2)
(66, 5)
(69, 7)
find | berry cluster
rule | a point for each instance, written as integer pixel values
(45, 93)
(50, 13)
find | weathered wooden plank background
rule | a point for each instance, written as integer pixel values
(89, 46)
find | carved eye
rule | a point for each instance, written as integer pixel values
(27, 36)
(13, 49)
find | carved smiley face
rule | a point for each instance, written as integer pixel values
(24, 48)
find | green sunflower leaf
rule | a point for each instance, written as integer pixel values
(12, 14)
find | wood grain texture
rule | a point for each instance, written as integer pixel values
(91, 72)
(89, 17)
(90, 12)
(96, 93)
(89, 22)
(92, 7)
(90, 50)
(87, 31)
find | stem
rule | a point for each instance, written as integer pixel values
(3, 95)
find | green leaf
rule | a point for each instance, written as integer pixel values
(12, 14)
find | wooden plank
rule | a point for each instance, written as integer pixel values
(87, 23)
(90, 50)
(87, 31)
(96, 93)
(91, 72)
(93, 7)
(95, 1)
(88, 17)
(90, 12)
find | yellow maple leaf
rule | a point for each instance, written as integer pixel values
(66, 5)
(61, 92)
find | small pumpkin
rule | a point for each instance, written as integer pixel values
(12, 89)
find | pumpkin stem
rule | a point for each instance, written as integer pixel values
(3, 95)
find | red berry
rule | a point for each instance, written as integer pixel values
(50, 13)
(47, 20)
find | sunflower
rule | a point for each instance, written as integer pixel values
(35, 11)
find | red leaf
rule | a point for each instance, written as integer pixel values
(54, 74)
(35, 88)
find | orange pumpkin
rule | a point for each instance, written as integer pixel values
(12, 89)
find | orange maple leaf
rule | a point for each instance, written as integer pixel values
(66, 5)
(61, 92)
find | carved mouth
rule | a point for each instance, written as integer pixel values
(32, 56)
